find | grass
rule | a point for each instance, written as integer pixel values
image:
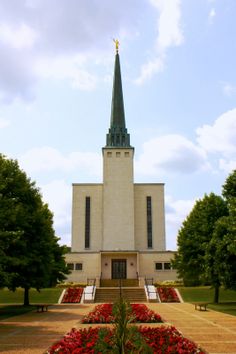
(46, 296)
(206, 294)
(227, 300)
(14, 310)
(226, 307)
(50, 296)
(12, 302)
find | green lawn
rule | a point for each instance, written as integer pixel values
(47, 296)
(205, 293)
(227, 300)
(12, 302)
(189, 294)
(14, 310)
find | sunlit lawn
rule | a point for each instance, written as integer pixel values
(51, 295)
(47, 296)
(12, 302)
(227, 299)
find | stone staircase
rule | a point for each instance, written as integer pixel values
(116, 283)
(109, 294)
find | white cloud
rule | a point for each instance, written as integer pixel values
(170, 153)
(169, 34)
(18, 37)
(51, 35)
(149, 69)
(219, 139)
(4, 123)
(169, 30)
(58, 196)
(212, 15)
(176, 212)
(221, 136)
(227, 165)
(50, 159)
(67, 68)
(228, 89)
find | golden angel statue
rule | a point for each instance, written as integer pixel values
(117, 43)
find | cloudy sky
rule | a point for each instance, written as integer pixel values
(179, 85)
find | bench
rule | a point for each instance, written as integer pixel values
(42, 307)
(201, 306)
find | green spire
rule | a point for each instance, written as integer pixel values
(117, 135)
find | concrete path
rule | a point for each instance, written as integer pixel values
(34, 332)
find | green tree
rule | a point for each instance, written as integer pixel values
(221, 251)
(31, 255)
(194, 237)
(229, 193)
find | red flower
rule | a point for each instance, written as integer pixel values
(103, 314)
(167, 294)
(72, 295)
(161, 339)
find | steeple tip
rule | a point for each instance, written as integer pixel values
(117, 135)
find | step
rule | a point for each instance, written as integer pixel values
(113, 294)
(116, 283)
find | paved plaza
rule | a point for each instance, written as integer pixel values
(33, 333)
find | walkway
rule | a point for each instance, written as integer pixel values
(213, 331)
(34, 332)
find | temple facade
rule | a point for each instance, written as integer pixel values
(118, 226)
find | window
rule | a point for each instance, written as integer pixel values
(163, 266)
(109, 154)
(167, 266)
(70, 266)
(158, 266)
(126, 154)
(78, 266)
(117, 154)
(87, 222)
(149, 222)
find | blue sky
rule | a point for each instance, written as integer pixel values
(179, 85)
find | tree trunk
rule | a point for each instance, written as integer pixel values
(216, 294)
(26, 296)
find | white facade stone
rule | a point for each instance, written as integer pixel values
(124, 223)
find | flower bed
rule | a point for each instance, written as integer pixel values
(167, 294)
(72, 295)
(103, 314)
(160, 340)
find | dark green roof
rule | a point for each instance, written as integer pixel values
(117, 135)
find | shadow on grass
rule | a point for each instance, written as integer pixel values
(55, 311)
(7, 311)
(225, 307)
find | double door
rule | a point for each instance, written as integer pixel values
(119, 270)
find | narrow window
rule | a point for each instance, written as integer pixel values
(158, 266)
(87, 222)
(78, 266)
(149, 222)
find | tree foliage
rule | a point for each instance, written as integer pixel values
(221, 251)
(207, 240)
(194, 236)
(30, 253)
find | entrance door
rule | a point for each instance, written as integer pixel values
(118, 269)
